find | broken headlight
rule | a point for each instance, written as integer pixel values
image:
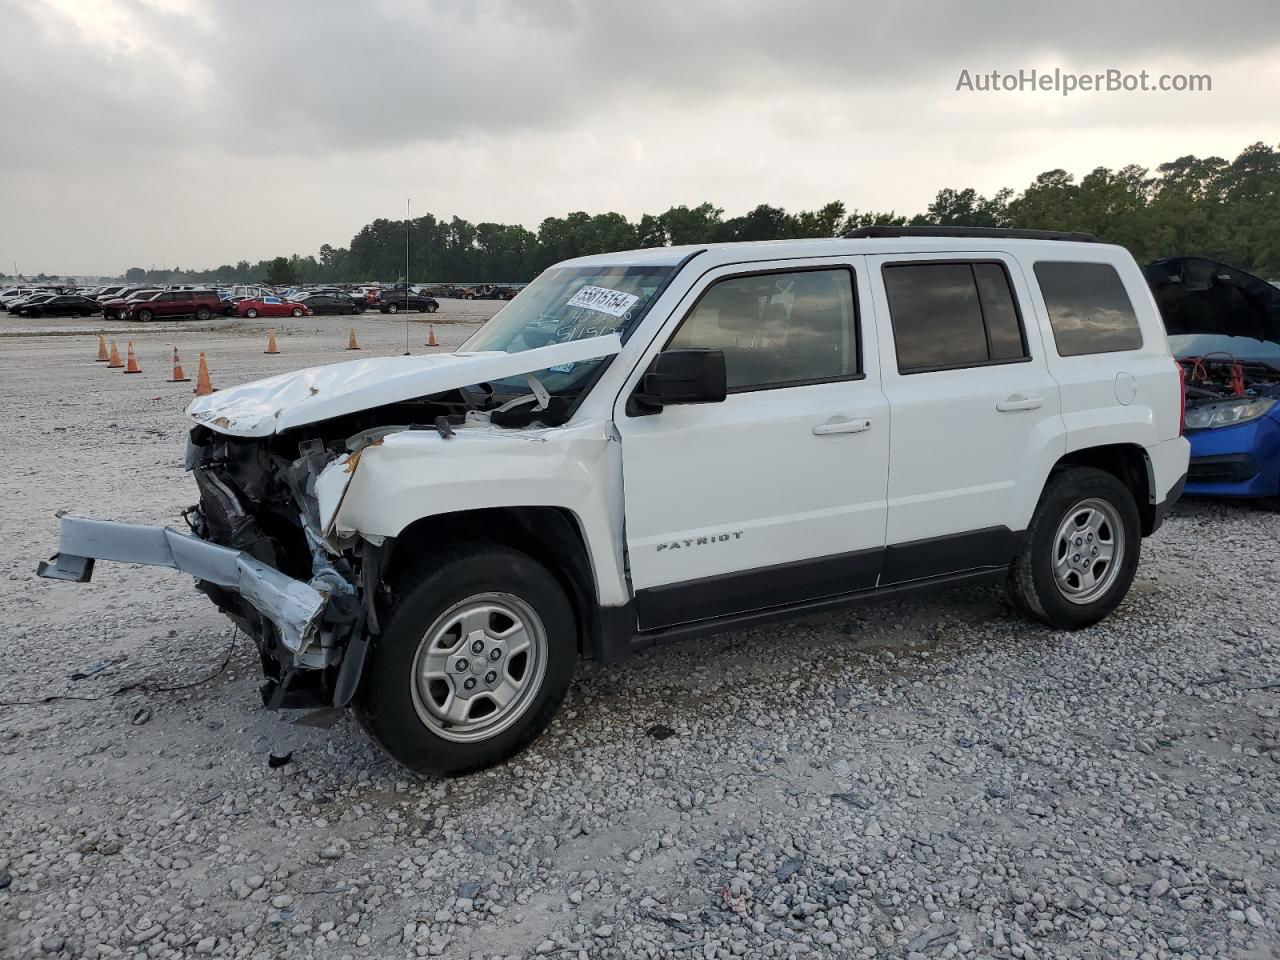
(1226, 413)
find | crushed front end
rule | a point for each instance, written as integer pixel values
(257, 549)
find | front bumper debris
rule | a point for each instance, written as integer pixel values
(295, 608)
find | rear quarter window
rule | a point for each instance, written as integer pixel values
(1089, 310)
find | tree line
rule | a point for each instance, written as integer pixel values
(1227, 210)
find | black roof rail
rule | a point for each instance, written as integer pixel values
(997, 233)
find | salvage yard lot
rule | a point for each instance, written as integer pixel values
(931, 778)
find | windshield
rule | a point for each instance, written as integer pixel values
(571, 303)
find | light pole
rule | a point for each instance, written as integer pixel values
(408, 223)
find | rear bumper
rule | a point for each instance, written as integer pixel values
(295, 608)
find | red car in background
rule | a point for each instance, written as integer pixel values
(272, 307)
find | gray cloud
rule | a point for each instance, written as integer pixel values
(210, 105)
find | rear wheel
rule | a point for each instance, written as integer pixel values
(474, 661)
(1080, 553)
(392, 308)
(203, 313)
(432, 306)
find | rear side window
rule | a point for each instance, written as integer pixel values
(953, 314)
(777, 329)
(1089, 310)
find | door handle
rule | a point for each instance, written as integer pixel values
(841, 425)
(1018, 402)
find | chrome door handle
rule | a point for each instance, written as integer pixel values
(1019, 402)
(841, 425)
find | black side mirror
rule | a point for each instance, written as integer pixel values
(681, 376)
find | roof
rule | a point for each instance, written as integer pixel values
(745, 251)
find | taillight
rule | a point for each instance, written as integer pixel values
(1182, 398)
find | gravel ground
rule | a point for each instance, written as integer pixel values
(918, 779)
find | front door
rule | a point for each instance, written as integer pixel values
(775, 496)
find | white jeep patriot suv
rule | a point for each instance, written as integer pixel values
(656, 444)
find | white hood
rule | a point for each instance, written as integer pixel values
(290, 400)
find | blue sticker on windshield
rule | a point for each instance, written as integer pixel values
(561, 368)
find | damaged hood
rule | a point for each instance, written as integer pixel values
(290, 400)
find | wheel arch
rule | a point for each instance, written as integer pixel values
(1128, 463)
(551, 535)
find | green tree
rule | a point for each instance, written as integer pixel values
(281, 271)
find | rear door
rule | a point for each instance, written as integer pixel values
(976, 413)
(775, 496)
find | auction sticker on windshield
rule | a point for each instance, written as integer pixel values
(603, 300)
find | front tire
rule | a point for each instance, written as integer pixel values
(474, 661)
(392, 308)
(297, 311)
(145, 316)
(1080, 553)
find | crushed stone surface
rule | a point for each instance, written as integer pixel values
(917, 779)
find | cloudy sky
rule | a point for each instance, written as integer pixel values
(199, 132)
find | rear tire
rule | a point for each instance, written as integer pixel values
(432, 307)
(441, 619)
(392, 308)
(1062, 575)
(251, 313)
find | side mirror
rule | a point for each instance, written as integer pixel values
(681, 376)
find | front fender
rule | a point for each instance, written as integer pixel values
(381, 489)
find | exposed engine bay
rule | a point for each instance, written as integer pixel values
(1224, 328)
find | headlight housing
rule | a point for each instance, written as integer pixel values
(1227, 413)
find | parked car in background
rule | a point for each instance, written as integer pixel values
(167, 304)
(272, 307)
(247, 291)
(59, 305)
(323, 303)
(1224, 329)
(110, 292)
(492, 291)
(16, 304)
(393, 301)
(113, 308)
(12, 295)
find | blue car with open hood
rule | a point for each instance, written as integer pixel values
(1224, 329)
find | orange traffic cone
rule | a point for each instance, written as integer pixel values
(102, 350)
(204, 386)
(131, 365)
(351, 344)
(178, 375)
(271, 343)
(431, 336)
(115, 357)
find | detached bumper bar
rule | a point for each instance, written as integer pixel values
(293, 606)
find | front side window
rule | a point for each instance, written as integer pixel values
(777, 329)
(953, 314)
(1089, 310)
